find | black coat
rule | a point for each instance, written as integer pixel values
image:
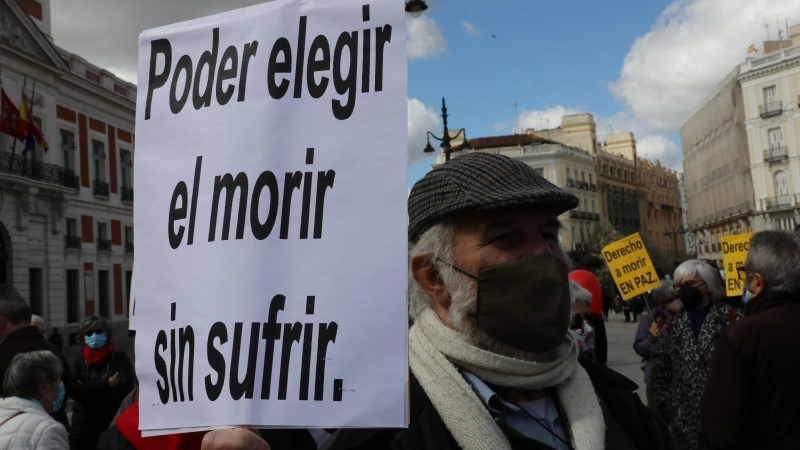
(751, 398)
(28, 339)
(627, 420)
(96, 403)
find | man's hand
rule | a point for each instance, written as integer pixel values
(114, 380)
(236, 439)
(655, 328)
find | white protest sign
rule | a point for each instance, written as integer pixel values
(271, 221)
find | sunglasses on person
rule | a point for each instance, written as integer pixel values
(89, 333)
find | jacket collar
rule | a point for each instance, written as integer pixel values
(768, 300)
(23, 405)
(24, 332)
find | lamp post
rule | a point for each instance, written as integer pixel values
(416, 7)
(446, 138)
(674, 235)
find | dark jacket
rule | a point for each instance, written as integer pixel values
(629, 424)
(28, 339)
(751, 398)
(680, 367)
(96, 403)
(644, 340)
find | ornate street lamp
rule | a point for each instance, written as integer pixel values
(416, 7)
(446, 138)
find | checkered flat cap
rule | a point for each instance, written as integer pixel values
(480, 182)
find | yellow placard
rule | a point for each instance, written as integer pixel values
(631, 267)
(734, 252)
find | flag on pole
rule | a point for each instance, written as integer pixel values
(29, 126)
(9, 117)
(752, 49)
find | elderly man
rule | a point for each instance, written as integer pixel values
(492, 363)
(751, 399)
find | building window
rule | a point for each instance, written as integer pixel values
(128, 239)
(73, 293)
(68, 152)
(126, 172)
(770, 94)
(71, 226)
(99, 156)
(35, 290)
(103, 294)
(103, 243)
(775, 138)
(781, 184)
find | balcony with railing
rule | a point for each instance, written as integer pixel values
(580, 247)
(103, 245)
(570, 182)
(72, 242)
(126, 193)
(770, 109)
(775, 154)
(100, 188)
(592, 187)
(782, 201)
(584, 215)
(582, 184)
(129, 247)
(665, 207)
(21, 166)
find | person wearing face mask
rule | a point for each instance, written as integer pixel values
(103, 377)
(751, 398)
(682, 351)
(493, 365)
(664, 306)
(17, 335)
(32, 389)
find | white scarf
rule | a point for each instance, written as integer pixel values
(434, 352)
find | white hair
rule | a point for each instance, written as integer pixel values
(436, 244)
(37, 320)
(27, 370)
(578, 294)
(707, 272)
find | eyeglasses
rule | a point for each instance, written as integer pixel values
(91, 332)
(742, 273)
(677, 287)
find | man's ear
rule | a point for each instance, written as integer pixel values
(426, 274)
(757, 284)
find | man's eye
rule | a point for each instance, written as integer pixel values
(503, 238)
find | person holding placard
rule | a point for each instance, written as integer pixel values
(751, 398)
(493, 365)
(683, 348)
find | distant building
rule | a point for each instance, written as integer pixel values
(66, 215)
(741, 157)
(663, 216)
(567, 167)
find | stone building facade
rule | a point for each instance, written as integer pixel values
(663, 216)
(66, 214)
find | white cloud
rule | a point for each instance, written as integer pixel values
(425, 38)
(658, 147)
(690, 48)
(543, 119)
(421, 119)
(470, 28)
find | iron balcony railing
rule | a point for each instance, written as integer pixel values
(779, 202)
(775, 154)
(128, 247)
(771, 109)
(103, 245)
(48, 173)
(72, 242)
(666, 207)
(592, 187)
(127, 194)
(100, 188)
(584, 215)
(570, 182)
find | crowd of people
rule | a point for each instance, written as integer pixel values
(526, 370)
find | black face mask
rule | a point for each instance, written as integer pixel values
(690, 296)
(525, 304)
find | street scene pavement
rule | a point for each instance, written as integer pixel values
(621, 356)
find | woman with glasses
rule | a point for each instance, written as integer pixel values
(103, 377)
(682, 351)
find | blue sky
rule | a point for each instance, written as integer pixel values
(638, 66)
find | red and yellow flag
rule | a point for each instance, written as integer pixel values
(27, 123)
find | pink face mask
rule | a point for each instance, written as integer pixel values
(674, 307)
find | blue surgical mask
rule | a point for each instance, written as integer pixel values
(748, 295)
(59, 401)
(96, 340)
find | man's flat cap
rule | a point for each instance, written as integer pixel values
(480, 182)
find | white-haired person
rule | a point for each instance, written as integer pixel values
(579, 326)
(33, 390)
(38, 322)
(682, 351)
